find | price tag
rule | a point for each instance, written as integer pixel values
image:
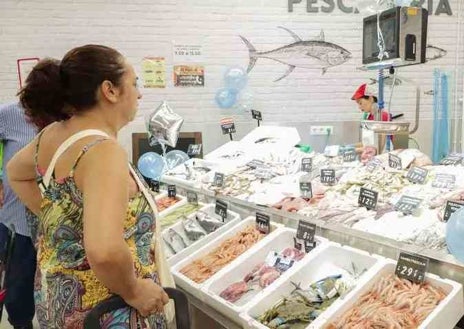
(417, 175)
(451, 208)
(221, 209)
(407, 204)
(374, 163)
(368, 198)
(306, 190)
(350, 156)
(263, 223)
(256, 115)
(253, 164)
(218, 179)
(307, 164)
(411, 267)
(227, 126)
(192, 198)
(328, 176)
(154, 184)
(452, 160)
(283, 263)
(194, 149)
(444, 181)
(306, 231)
(394, 161)
(172, 191)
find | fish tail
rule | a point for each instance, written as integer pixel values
(252, 53)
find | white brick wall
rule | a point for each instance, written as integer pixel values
(139, 28)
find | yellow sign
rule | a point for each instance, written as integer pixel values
(154, 72)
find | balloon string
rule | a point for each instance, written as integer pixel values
(163, 148)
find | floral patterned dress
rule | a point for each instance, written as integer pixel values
(66, 288)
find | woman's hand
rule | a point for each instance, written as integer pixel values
(147, 297)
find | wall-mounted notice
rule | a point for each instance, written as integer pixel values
(189, 76)
(154, 72)
(183, 52)
(25, 66)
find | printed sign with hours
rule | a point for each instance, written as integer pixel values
(256, 115)
(411, 267)
(327, 176)
(394, 161)
(368, 198)
(451, 208)
(444, 181)
(306, 190)
(307, 164)
(350, 156)
(192, 198)
(218, 179)
(263, 223)
(172, 191)
(194, 149)
(407, 204)
(221, 209)
(417, 175)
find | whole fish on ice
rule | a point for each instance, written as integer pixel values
(307, 54)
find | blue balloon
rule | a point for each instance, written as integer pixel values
(175, 158)
(455, 234)
(226, 98)
(151, 165)
(236, 78)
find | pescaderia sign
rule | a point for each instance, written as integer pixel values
(435, 7)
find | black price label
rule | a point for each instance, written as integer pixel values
(194, 149)
(452, 160)
(327, 176)
(407, 204)
(451, 208)
(192, 198)
(411, 267)
(394, 161)
(154, 184)
(374, 163)
(368, 198)
(221, 209)
(306, 231)
(172, 191)
(228, 128)
(417, 175)
(256, 115)
(263, 223)
(218, 179)
(306, 190)
(307, 164)
(444, 181)
(350, 156)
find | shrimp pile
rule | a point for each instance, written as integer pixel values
(392, 303)
(202, 269)
(166, 202)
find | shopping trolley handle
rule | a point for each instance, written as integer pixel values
(92, 320)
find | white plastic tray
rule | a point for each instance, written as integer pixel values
(181, 202)
(445, 315)
(232, 219)
(279, 242)
(195, 288)
(327, 260)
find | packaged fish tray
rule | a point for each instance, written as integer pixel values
(166, 204)
(223, 245)
(234, 289)
(326, 277)
(194, 231)
(406, 304)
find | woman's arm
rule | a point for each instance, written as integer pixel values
(22, 177)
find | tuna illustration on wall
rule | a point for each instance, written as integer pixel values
(309, 54)
(433, 53)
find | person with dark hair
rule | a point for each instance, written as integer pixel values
(95, 226)
(15, 133)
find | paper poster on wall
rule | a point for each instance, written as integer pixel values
(25, 66)
(154, 72)
(189, 76)
(184, 52)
